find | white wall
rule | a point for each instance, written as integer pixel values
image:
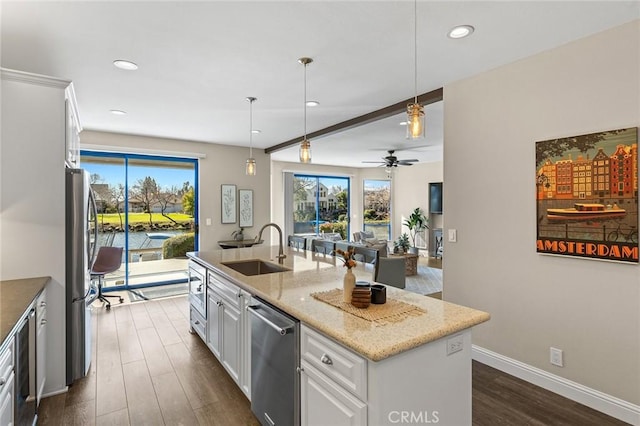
(588, 308)
(32, 193)
(222, 164)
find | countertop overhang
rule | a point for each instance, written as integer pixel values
(313, 272)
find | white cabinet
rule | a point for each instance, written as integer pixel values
(245, 345)
(6, 383)
(41, 343)
(214, 314)
(231, 340)
(72, 130)
(323, 402)
(226, 328)
(333, 382)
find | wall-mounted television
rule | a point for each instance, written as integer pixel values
(435, 197)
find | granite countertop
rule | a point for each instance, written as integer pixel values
(312, 272)
(15, 298)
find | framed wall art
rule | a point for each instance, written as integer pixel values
(228, 203)
(246, 207)
(587, 196)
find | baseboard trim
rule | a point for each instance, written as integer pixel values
(55, 392)
(610, 405)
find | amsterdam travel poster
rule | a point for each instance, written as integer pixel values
(587, 195)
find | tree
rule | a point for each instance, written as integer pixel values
(188, 202)
(558, 147)
(342, 200)
(117, 197)
(146, 191)
(165, 198)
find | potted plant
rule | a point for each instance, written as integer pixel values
(416, 222)
(401, 245)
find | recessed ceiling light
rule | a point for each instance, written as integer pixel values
(461, 31)
(312, 103)
(256, 131)
(125, 65)
(118, 112)
(402, 123)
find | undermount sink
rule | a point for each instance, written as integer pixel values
(254, 267)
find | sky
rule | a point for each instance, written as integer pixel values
(166, 177)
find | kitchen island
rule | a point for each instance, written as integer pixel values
(417, 368)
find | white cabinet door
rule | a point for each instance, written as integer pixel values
(245, 345)
(323, 402)
(41, 344)
(214, 313)
(6, 402)
(231, 340)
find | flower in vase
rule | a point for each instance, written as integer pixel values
(347, 257)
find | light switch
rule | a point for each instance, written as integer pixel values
(453, 235)
(208, 221)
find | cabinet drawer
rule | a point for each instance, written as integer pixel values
(322, 402)
(228, 290)
(6, 364)
(342, 365)
(198, 323)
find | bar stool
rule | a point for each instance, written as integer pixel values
(107, 261)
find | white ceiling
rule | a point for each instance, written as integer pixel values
(199, 60)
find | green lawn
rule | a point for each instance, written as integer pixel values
(112, 218)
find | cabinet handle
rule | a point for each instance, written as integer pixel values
(219, 303)
(43, 304)
(197, 322)
(2, 381)
(43, 321)
(299, 369)
(325, 359)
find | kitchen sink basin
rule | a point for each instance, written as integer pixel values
(254, 267)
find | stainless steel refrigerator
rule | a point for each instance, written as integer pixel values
(81, 235)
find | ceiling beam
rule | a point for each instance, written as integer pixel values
(388, 111)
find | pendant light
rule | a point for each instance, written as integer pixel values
(305, 145)
(250, 168)
(415, 111)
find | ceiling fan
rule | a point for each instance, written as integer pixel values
(392, 161)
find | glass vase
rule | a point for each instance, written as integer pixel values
(348, 284)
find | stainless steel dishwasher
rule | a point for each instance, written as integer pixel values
(275, 359)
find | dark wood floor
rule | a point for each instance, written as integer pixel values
(147, 369)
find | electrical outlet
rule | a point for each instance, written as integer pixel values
(453, 235)
(208, 221)
(556, 357)
(454, 344)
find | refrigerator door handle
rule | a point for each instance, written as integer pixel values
(94, 209)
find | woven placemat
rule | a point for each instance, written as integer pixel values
(392, 311)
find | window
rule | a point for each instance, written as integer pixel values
(320, 205)
(142, 202)
(377, 208)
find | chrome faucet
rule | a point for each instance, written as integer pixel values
(281, 254)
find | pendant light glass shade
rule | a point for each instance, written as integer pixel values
(415, 111)
(415, 121)
(305, 145)
(305, 151)
(250, 166)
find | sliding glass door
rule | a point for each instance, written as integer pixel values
(320, 205)
(148, 206)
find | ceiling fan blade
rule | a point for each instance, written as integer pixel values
(406, 162)
(376, 162)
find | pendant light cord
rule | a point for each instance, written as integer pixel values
(305, 101)
(415, 50)
(251, 128)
